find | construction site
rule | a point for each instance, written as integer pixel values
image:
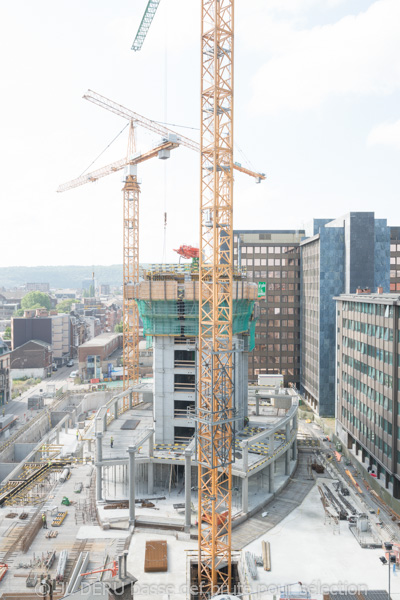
(193, 483)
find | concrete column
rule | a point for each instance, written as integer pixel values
(99, 473)
(131, 452)
(66, 426)
(116, 410)
(245, 450)
(130, 400)
(57, 435)
(150, 470)
(271, 479)
(188, 489)
(150, 477)
(245, 495)
(271, 444)
(287, 432)
(105, 421)
(257, 404)
(287, 461)
(294, 449)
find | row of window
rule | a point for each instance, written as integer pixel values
(363, 368)
(368, 433)
(276, 360)
(380, 310)
(256, 274)
(382, 333)
(269, 249)
(280, 323)
(275, 347)
(283, 286)
(370, 393)
(278, 335)
(272, 262)
(277, 310)
(368, 350)
(284, 298)
(378, 376)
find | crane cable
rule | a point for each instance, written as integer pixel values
(106, 148)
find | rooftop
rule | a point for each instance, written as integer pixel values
(100, 340)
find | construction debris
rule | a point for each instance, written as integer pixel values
(31, 580)
(51, 534)
(3, 570)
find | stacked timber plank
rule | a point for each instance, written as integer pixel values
(266, 555)
(156, 558)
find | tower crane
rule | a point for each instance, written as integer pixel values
(144, 26)
(130, 115)
(131, 192)
(215, 411)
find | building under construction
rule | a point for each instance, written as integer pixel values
(168, 303)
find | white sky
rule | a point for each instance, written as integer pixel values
(317, 108)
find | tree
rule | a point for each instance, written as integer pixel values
(36, 300)
(119, 328)
(7, 333)
(65, 305)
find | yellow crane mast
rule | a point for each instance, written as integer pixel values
(215, 415)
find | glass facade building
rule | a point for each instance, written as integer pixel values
(271, 258)
(338, 256)
(367, 375)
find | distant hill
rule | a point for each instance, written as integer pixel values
(59, 277)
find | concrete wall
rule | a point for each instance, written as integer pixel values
(163, 386)
(21, 450)
(5, 469)
(35, 373)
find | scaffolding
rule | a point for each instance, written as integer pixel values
(181, 317)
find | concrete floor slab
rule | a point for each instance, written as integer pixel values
(304, 549)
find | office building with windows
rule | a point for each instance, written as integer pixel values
(271, 259)
(368, 368)
(338, 256)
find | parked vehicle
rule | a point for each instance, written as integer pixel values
(70, 363)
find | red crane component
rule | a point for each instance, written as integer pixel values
(188, 252)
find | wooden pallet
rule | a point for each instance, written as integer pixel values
(59, 519)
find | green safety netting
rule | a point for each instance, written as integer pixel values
(252, 339)
(170, 317)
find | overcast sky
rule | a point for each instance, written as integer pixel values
(317, 108)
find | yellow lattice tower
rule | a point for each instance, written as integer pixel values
(215, 403)
(131, 192)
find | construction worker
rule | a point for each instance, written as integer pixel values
(44, 521)
(50, 587)
(77, 435)
(112, 442)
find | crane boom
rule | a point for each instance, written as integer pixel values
(144, 26)
(126, 113)
(116, 166)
